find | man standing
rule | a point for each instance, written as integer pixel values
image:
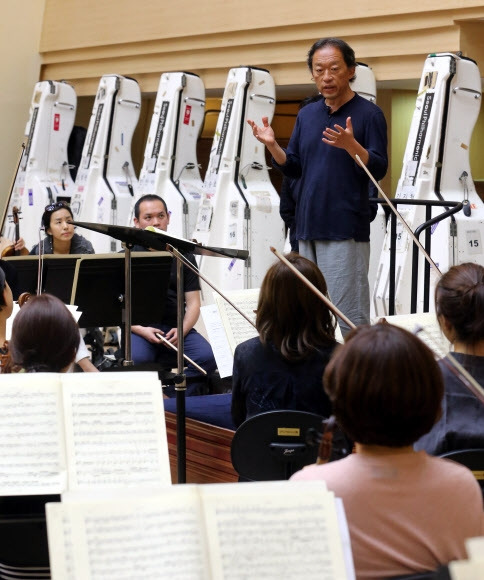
(333, 213)
(151, 210)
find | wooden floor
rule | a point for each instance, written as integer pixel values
(207, 451)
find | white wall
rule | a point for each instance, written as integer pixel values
(20, 29)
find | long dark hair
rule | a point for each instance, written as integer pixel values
(45, 336)
(289, 314)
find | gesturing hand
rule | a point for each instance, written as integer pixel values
(263, 133)
(339, 136)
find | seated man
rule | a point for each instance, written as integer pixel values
(151, 210)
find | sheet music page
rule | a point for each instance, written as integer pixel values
(154, 538)
(466, 569)
(272, 532)
(236, 326)
(31, 435)
(430, 333)
(475, 548)
(115, 430)
(217, 337)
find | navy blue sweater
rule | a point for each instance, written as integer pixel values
(333, 200)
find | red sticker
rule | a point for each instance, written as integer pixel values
(188, 112)
(56, 121)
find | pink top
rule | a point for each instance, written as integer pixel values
(406, 512)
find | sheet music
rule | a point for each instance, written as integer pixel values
(215, 531)
(473, 567)
(217, 337)
(31, 435)
(236, 326)
(157, 538)
(115, 430)
(466, 569)
(475, 548)
(431, 333)
(273, 532)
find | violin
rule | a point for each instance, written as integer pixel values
(5, 362)
(4, 358)
(10, 250)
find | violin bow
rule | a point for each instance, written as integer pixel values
(22, 149)
(398, 214)
(174, 252)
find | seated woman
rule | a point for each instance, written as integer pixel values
(407, 512)
(45, 336)
(283, 366)
(459, 300)
(61, 239)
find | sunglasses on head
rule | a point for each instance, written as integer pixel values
(57, 205)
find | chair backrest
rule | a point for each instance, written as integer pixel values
(471, 458)
(275, 444)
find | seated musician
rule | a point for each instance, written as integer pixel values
(146, 347)
(45, 336)
(407, 512)
(283, 366)
(61, 238)
(459, 300)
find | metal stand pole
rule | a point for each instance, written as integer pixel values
(180, 379)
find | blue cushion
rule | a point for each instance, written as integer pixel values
(212, 409)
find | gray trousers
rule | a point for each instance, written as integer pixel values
(344, 265)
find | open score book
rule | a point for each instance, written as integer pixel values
(235, 531)
(77, 431)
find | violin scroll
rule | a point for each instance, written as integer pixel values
(10, 249)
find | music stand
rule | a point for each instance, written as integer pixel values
(57, 274)
(23, 536)
(98, 288)
(158, 241)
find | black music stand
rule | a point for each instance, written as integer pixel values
(99, 288)
(57, 274)
(158, 241)
(24, 549)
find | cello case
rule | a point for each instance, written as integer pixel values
(106, 182)
(436, 167)
(240, 207)
(170, 168)
(43, 175)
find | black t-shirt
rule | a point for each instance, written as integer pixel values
(190, 284)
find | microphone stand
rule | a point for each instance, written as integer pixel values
(187, 263)
(159, 240)
(127, 362)
(180, 379)
(41, 263)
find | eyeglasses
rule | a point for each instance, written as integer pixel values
(57, 205)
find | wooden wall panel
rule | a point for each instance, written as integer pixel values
(145, 38)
